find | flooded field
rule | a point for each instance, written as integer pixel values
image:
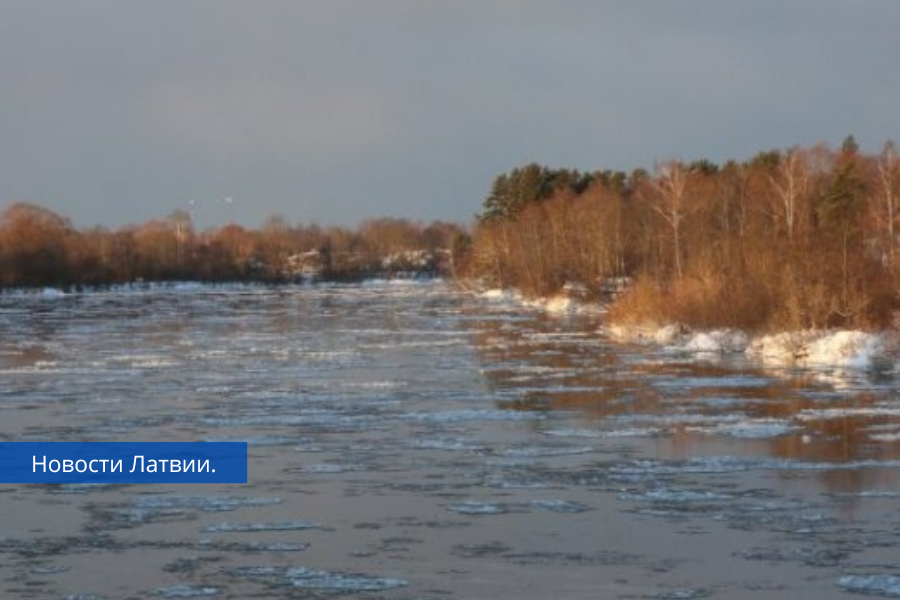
(410, 442)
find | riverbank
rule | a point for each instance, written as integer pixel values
(827, 348)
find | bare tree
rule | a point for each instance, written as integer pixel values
(791, 184)
(670, 185)
(888, 171)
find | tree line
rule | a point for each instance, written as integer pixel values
(806, 237)
(39, 247)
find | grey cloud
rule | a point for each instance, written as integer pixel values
(342, 110)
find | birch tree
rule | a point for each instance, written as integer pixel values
(791, 184)
(889, 173)
(670, 185)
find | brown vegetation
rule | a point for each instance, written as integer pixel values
(796, 239)
(41, 248)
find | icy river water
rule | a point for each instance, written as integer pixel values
(408, 441)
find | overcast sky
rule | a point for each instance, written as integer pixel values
(334, 111)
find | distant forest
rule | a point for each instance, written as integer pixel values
(787, 240)
(39, 247)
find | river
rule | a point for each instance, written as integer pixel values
(409, 441)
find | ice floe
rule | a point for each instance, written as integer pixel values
(679, 594)
(447, 444)
(675, 496)
(605, 433)
(762, 428)
(475, 507)
(187, 591)
(313, 579)
(821, 414)
(257, 527)
(736, 464)
(561, 506)
(467, 415)
(871, 585)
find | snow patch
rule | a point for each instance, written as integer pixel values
(845, 349)
(679, 337)
(566, 303)
(717, 340)
(501, 295)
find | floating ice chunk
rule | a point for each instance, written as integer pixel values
(304, 578)
(257, 527)
(561, 506)
(871, 585)
(463, 415)
(543, 452)
(377, 385)
(752, 428)
(680, 594)
(52, 293)
(812, 414)
(203, 503)
(312, 579)
(256, 440)
(604, 433)
(81, 488)
(475, 507)
(325, 468)
(49, 569)
(734, 464)
(674, 496)
(677, 418)
(186, 591)
(870, 494)
(256, 546)
(146, 509)
(448, 444)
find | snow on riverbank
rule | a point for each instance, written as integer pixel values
(855, 350)
(561, 304)
(858, 350)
